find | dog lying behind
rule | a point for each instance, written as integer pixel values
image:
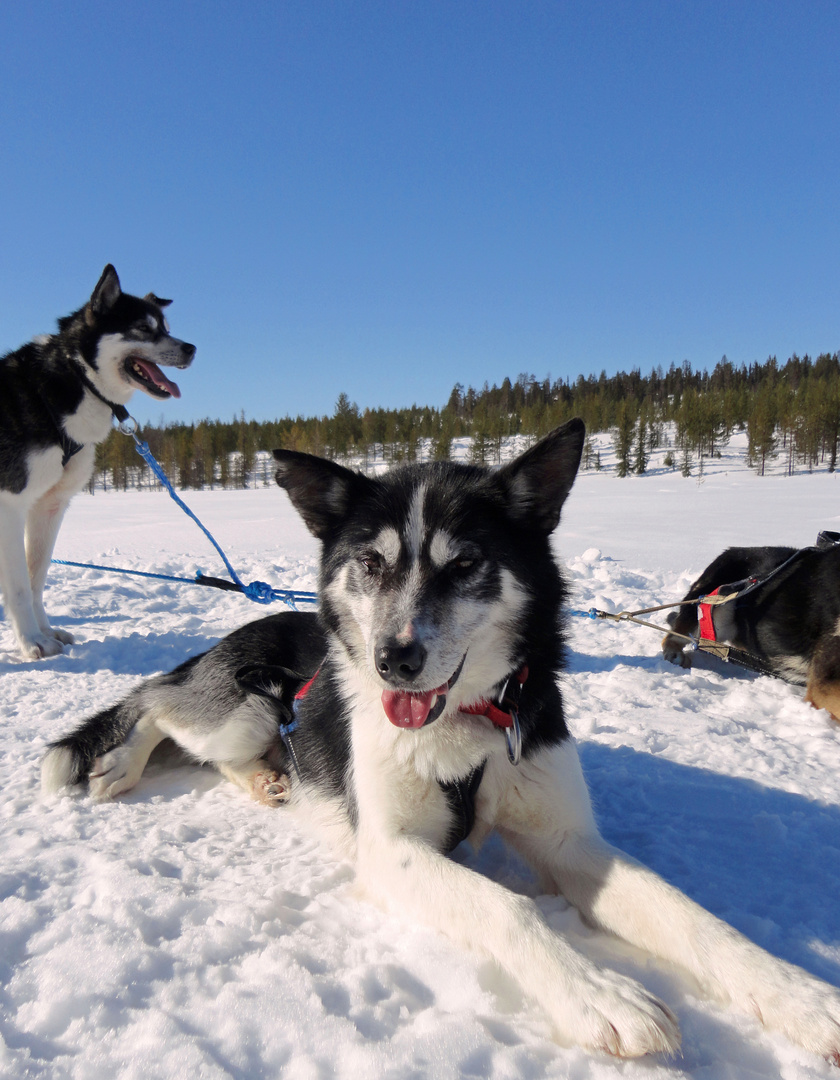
(57, 397)
(420, 706)
(785, 619)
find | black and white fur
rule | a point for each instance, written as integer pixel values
(57, 397)
(438, 581)
(787, 624)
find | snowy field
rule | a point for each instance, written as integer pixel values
(184, 931)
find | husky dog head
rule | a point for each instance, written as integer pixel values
(123, 340)
(438, 580)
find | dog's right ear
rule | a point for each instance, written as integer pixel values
(321, 491)
(105, 295)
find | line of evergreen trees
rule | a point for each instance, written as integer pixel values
(791, 409)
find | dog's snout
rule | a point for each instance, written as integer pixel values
(187, 353)
(400, 663)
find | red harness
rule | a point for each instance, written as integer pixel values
(307, 686)
(707, 623)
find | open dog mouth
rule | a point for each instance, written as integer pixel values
(150, 378)
(409, 709)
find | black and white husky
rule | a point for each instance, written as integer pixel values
(420, 706)
(57, 397)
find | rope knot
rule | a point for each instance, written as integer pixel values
(259, 591)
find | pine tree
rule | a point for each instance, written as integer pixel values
(640, 461)
(441, 448)
(761, 428)
(481, 437)
(623, 436)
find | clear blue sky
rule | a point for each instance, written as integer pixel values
(386, 198)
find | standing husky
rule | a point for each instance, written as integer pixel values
(57, 397)
(422, 706)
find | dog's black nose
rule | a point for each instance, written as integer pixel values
(188, 352)
(400, 663)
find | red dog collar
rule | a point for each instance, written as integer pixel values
(496, 713)
(507, 721)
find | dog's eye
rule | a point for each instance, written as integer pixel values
(143, 330)
(463, 564)
(372, 563)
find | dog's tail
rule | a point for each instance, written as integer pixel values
(68, 761)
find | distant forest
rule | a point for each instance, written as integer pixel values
(790, 411)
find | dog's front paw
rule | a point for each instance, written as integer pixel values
(673, 649)
(38, 646)
(64, 636)
(617, 1016)
(802, 1007)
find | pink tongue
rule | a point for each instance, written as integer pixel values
(407, 710)
(155, 375)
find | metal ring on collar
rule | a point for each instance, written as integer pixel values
(513, 739)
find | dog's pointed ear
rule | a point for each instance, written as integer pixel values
(156, 300)
(106, 293)
(538, 481)
(321, 491)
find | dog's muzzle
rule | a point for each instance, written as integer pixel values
(413, 709)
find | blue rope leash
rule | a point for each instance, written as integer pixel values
(146, 454)
(258, 591)
(288, 596)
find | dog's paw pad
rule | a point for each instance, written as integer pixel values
(270, 788)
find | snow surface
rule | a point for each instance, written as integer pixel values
(185, 931)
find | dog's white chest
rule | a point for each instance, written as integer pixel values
(90, 423)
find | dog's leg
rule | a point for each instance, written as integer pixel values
(33, 642)
(234, 735)
(824, 675)
(683, 623)
(42, 525)
(261, 782)
(587, 1005)
(397, 868)
(229, 746)
(119, 769)
(615, 893)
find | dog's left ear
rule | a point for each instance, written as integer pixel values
(104, 296)
(538, 481)
(321, 491)
(156, 300)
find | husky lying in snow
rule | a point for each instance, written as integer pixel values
(422, 706)
(784, 618)
(57, 397)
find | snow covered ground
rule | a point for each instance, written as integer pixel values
(185, 931)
